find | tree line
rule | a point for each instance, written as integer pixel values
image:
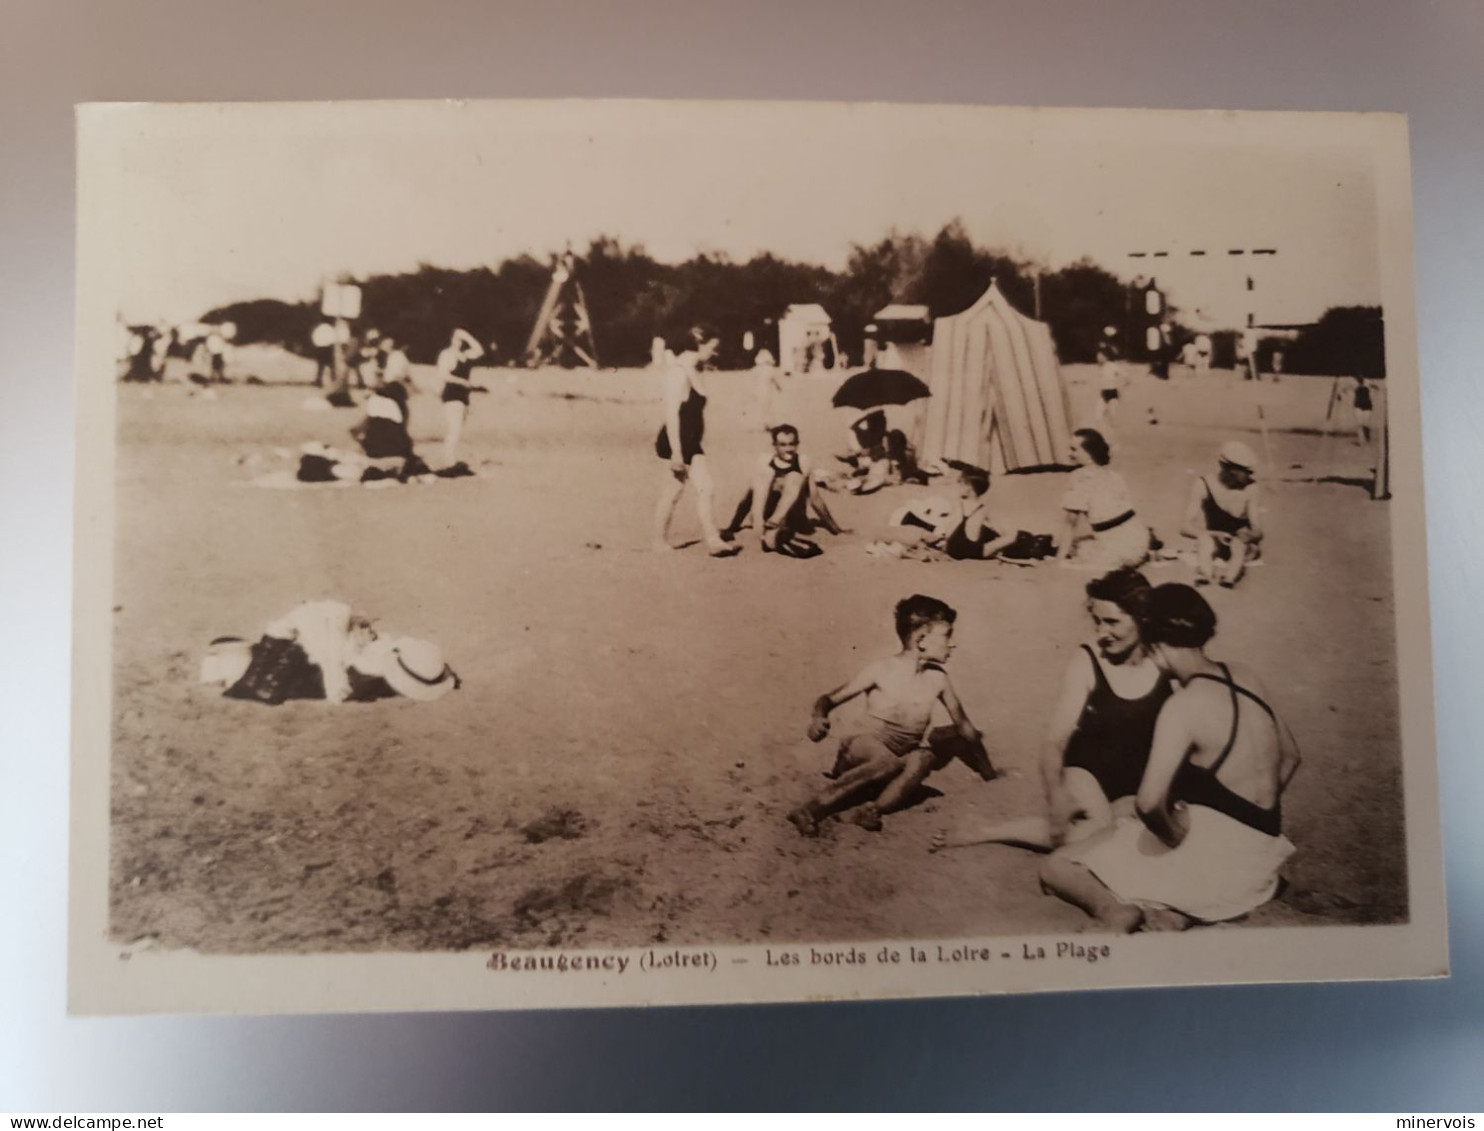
(632, 298)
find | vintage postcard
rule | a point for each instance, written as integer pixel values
(543, 554)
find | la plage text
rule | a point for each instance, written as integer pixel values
(950, 954)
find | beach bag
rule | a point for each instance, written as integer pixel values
(316, 469)
(280, 670)
(1029, 547)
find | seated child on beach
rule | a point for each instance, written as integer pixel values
(880, 768)
(1224, 517)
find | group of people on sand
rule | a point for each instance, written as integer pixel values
(784, 503)
(1099, 527)
(383, 435)
(1162, 769)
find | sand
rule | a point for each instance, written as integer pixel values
(616, 768)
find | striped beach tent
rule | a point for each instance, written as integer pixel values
(998, 400)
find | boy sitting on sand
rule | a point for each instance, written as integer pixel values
(880, 768)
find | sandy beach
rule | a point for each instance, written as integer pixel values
(616, 768)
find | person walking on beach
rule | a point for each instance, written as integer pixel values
(679, 442)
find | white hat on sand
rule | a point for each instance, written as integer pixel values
(416, 669)
(1238, 454)
(226, 661)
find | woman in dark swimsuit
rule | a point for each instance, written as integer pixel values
(456, 363)
(1206, 841)
(1094, 755)
(680, 439)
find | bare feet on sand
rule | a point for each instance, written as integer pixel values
(1124, 919)
(1164, 919)
(868, 817)
(804, 821)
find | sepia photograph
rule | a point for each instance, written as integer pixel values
(585, 553)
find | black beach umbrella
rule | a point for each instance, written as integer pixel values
(876, 388)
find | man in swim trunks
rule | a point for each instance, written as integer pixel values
(785, 487)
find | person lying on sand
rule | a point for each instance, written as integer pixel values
(934, 528)
(785, 489)
(973, 538)
(1205, 843)
(323, 650)
(880, 769)
(321, 463)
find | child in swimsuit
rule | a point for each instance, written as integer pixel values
(880, 768)
(1224, 517)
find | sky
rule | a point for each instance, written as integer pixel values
(203, 205)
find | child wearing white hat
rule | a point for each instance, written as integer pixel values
(1223, 515)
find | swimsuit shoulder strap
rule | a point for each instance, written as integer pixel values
(1097, 670)
(1231, 739)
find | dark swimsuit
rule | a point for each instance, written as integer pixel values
(692, 428)
(960, 547)
(1114, 734)
(385, 438)
(458, 390)
(1218, 519)
(1198, 785)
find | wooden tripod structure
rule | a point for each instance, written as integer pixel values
(563, 333)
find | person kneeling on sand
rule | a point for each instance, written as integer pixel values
(1206, 841)
(785, 489)
(322, 650)
(1225, 518)
(880, 768)
(383, 434)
